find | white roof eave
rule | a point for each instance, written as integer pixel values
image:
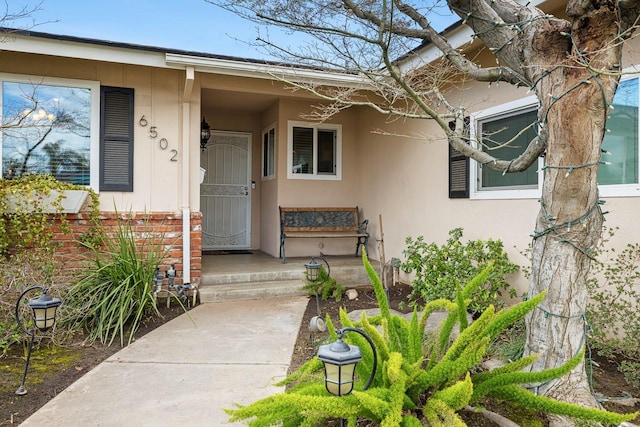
(265, 70)
(88, 51)
(457, 38)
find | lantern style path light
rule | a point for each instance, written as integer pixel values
(317, 324)
(44, 311)
(340, 360)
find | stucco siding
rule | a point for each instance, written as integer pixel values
(406, 181)
(320, 193)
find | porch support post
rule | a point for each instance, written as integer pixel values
(186, 174)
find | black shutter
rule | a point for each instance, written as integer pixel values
(458, 169)
(116, 139)
(458, 174)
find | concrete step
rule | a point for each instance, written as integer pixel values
(351, 276)
(251, 277)
(250, 290)
(216, 287)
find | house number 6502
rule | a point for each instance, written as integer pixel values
(163, 143)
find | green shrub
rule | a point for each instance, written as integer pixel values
(20, 271)
(441, 271)
(614, 292)
(26, 226)
(114, 293)
(631, 371)
(27, 245)
(325, 287)
(419, 381)
(10, 334)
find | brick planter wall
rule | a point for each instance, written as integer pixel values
(167, 225)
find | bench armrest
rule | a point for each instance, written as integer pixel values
(362, 227)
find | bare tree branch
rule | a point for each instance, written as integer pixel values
(10, 17)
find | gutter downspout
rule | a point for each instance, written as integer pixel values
(186, 175)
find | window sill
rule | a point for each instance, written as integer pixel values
(627, 190)
(70, 202)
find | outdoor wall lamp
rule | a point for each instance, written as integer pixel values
(44, 311)
(205, 134)
(340, 360)
(317, 324)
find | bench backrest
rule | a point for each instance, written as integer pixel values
(319, 219)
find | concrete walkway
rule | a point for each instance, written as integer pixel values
(184, 374)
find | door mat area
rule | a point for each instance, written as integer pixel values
(230, 252)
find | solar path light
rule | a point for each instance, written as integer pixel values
(43, 310)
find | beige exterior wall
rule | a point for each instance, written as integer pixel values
(268, 188)
(318, 193)
(406, 181)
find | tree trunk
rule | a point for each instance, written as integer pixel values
(574, 107)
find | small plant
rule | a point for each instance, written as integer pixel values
(441, 271)
(114, 293)
(19, 271)
(509, 345)
(614, 291)
(10, 334)
(423, 379)
(631, 371)
(325, 287)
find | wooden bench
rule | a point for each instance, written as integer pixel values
(322, 223)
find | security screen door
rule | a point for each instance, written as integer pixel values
(225, 193)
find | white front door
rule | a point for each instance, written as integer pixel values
(225, 193)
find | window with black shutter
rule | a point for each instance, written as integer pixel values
(116, 139)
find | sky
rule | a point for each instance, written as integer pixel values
(192, 25)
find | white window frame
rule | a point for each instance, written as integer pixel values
(624, 190)
(265, 176)
(94, 86)
(338, 151)
(613, 190)
(497, 112)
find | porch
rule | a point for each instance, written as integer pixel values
(256, 275)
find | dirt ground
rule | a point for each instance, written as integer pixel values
(53, 369)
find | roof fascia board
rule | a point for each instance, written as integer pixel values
(457, 38)
(265, 71)
(123, 55)
(69, 49)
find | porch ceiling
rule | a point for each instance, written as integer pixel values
(236, 101)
